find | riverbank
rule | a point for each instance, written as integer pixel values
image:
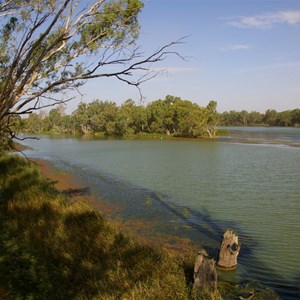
(53, 246)
(198, 189)
(58, 247)
(76, 189)
(71, 186)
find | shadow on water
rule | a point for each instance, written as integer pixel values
(169, 220)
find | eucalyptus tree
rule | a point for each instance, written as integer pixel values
(255, 118)
(34, 123)
(156, 114)
(55, 118)
(161, 115)
(49, 47)
(212, 119)
(270, 117)
(96, 116)
(284, 118)
(295, 117)
(81, 118)
(191, 119)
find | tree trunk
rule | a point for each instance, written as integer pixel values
(229, 250)
(205, 273)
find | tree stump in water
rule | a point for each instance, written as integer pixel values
(205, 273)
(229, 250)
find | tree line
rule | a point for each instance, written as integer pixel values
(171, 116)
(270, 118)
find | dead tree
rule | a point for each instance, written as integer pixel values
(205, 273)
(229, 250)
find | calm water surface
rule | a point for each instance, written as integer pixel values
(249, 181)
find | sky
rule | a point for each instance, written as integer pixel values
(242, 54)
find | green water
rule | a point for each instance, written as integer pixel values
(249, 181)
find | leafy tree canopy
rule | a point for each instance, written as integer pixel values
(270, 118)
(171, 116)
(48, 47)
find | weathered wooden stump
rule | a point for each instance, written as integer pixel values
(229, 250)
(205, 273)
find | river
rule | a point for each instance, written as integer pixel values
(248, 181)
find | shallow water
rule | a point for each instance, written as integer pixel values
(249, 181)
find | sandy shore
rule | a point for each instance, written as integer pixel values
(71, 186)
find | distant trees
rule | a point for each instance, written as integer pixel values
(212, 119)
(295, 117)
(270, 118)
(171, 116)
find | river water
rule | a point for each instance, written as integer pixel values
(248, 181)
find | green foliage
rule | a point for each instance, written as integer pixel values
(20, 179)
(50, 47)
(116, 23)
(234, 291)
(270, 118)
(212, 119)
(171, 116)
(5, 142)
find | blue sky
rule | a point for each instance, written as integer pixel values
(243, 54)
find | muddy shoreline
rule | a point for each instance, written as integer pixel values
(76, 189)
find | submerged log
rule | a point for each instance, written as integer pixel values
(205, 273)
(229, 250)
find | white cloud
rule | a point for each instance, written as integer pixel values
(267, 20)
(236, 47)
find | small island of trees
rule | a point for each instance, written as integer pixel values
(171, 116)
